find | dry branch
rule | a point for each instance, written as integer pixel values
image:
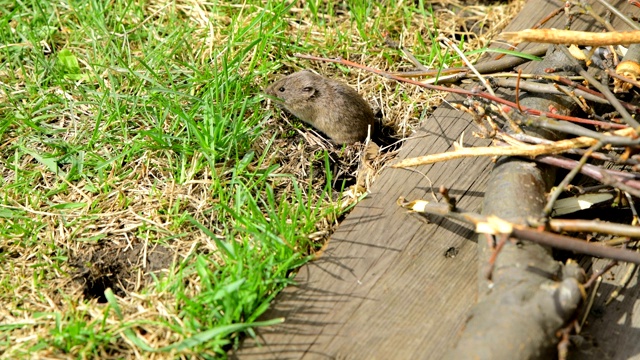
(494, 225)
(519, 312)
(602, 227)
(555, 36)
(520, 150)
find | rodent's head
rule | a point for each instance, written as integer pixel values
(296, 89)
(328, 105)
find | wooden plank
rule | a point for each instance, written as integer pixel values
(611, 331)
(384, 280)
(384, 288)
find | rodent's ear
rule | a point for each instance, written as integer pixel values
(310, 91)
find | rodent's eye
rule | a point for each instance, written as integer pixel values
(281, 89)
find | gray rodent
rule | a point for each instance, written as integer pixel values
(328, 105)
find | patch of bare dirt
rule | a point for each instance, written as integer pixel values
(122, 269)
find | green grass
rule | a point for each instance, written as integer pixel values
(125, 122)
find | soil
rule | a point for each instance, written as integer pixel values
(123, 269)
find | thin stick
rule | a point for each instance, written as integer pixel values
(561, 37)
(501, 226)
(592, 297)
(484, 67)
(518, 89)
(519, 150)
(589, 226)
(619, 14)
(567, 179)
(603, 89)
(624, 181)
(623, 78)
(600, 272)
(451, 46)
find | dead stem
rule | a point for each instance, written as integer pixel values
(494, 225)
(555, 36)
(520, 149)
(548, 209)
(603, 89)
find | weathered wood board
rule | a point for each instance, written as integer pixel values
(611, 331)
(384, 282)
(384, 288)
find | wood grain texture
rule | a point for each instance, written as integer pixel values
(383, 288)
(384, 280)
(611, 331)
